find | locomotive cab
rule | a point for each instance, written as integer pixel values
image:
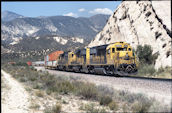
(121, 55)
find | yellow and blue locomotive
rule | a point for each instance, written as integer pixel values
(111, 59)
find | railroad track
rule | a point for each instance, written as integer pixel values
(148, 78)
(126, 76)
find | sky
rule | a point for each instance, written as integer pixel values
(73, 8)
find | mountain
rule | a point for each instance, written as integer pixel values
(46, 42)
(49, 33)
(8, 16)
(20, 28)
(140, 23)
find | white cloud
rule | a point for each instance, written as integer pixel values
(70, 14)
(101, 11)
(81, 10)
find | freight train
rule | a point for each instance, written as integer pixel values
(36, 63)
(110, 59)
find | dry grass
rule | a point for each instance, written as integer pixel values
(115, 100)
(34, 106)
(54, 109)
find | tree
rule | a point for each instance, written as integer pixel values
(145, 55)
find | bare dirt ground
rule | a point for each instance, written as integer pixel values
(161, 91)
(15, 98)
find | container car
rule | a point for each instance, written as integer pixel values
(51, 59)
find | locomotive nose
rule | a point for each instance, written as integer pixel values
(126, 56)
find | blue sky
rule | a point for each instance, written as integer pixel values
(73, 8)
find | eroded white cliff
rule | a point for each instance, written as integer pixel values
(143, 22)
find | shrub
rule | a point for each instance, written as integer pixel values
(104, 90)
(88, 91)
(65, 87)
(145, 55)
(142, 104)
(64, 102)
(90, 108)
(113, 106)
(160, 70)
(156, 106)
(49, 80)
(125, 108)
(105, 100)
(140, 107)
(56, 108)
(20, 64)
(32, 77)
(22, 79)
(35, 106)
(146, 70)
(36, 85)
(39, 93)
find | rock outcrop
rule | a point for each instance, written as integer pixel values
(140, 23)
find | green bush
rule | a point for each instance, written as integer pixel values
(145, 55)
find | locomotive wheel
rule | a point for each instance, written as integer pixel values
(104, 71)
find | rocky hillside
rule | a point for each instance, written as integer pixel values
(46, 42)
(139, 23)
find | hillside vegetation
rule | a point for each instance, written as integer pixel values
(147, 63)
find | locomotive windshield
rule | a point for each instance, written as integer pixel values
(122, 49)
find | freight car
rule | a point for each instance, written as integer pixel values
(51, 59)
(110, 59)
(38, 63)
